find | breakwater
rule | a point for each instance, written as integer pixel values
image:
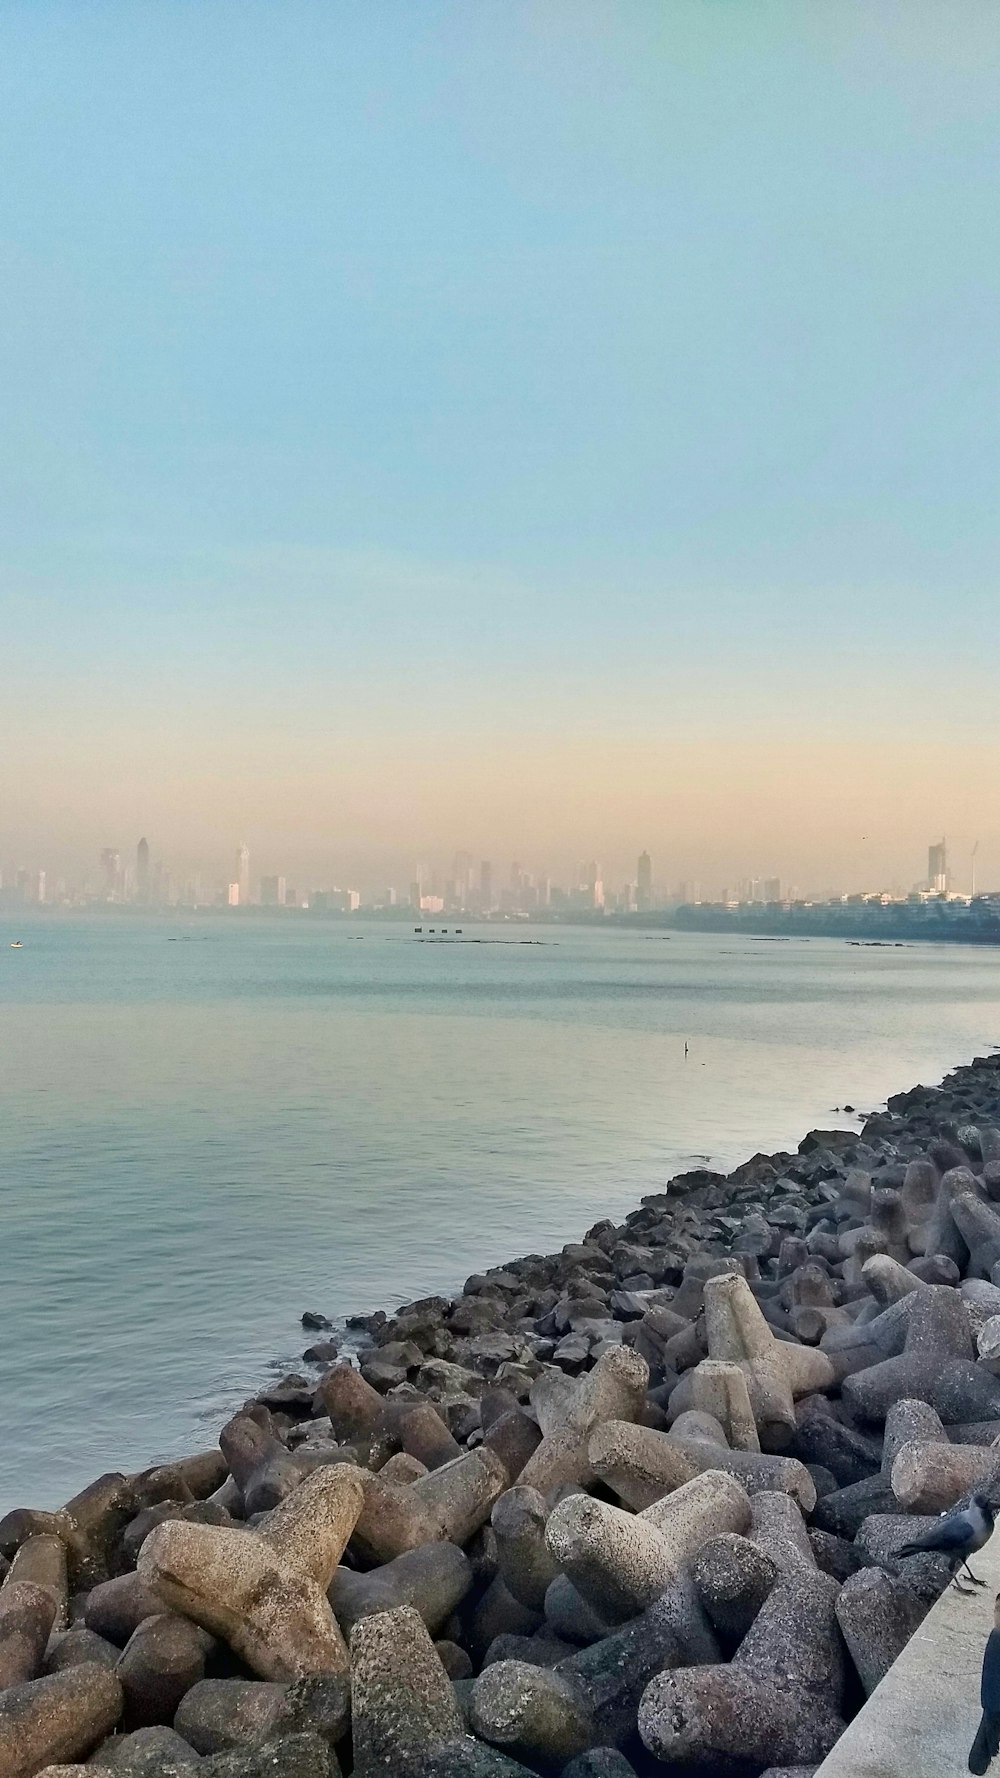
(637, 1506)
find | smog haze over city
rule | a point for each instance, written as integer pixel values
(537, 432)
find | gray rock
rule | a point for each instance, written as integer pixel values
(434, 1579)
(148, 1753)
(56, 1719)
(878, 1614)
(402, 1704)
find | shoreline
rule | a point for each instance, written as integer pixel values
(560, 1506)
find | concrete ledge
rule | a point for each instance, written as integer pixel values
(921, 1720)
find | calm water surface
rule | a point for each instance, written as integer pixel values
(208, 1125)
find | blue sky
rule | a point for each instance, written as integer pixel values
(380, 381)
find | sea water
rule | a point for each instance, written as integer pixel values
(211, 1123)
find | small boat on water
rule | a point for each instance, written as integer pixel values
(16, 945)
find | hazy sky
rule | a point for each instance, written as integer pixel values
(550, 429)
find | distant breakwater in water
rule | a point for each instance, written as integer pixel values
(659, 1498)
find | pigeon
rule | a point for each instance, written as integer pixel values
(986, 1745)
(958, 1535)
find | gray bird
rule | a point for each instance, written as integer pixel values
(986, 1745)
(958, 1535)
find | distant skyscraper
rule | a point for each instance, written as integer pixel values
(644, 883)
(486, 885)
(38, 887)
(233, 895)
(243, 873)
(937, 867)
(272, 892)
(111, 872)
(772, 888)
(142, 871)
(592, 885)
(463, 873)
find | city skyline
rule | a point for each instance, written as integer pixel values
(465, 885)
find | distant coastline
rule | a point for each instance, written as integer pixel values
(854, 920)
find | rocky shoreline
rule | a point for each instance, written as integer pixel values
(631, 1508)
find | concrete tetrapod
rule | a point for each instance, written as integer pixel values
(929, 1476)
(878, 1614)
(937, 1331)
(264, 1591)
(733, 1575)
(402, 1704)
(614, 1390)
(776, 1371)
(590, 1698)
(161, 1661)
(57, 1718)
(721, 1389)
(434, 1579)
(846, 1510)
(779, 1699)
(527, 1566)
(918, 1192)
(258, 1462)
(642, 1465)
(218, 1714)
(353, 1406)
(460, 1494)
(979, 1226)
(622, 1561)
(86, 1526)
(41, 1562)
(868, 1342)
(27, 1614)
(446, 1505)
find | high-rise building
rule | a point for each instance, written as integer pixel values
(486, 885)
(772, 888)
(591, 885)
(644, 883)
(243, 873)
(142, 871)
(463, 878)
(38, 887)
(937, 868)
(272, 892)
(111, 873)
(233, 895)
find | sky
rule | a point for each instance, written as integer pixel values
(548, 429)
